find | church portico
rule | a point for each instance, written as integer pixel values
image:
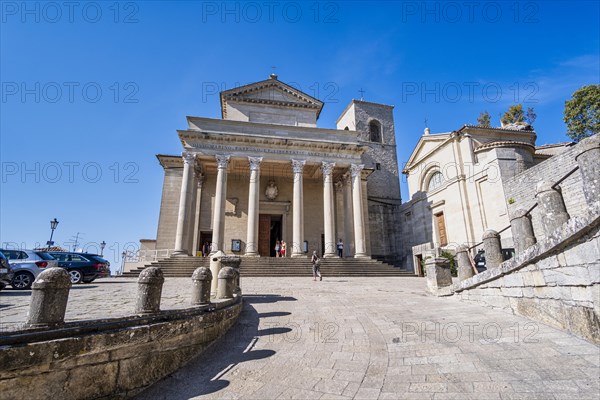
(242, 184)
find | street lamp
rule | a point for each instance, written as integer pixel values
(102, 246)
(124, 255)
(53, 225)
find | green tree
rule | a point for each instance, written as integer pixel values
(582, 113)
(530, 116)
(514, 114)
(484, 120)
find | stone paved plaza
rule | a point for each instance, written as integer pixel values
(355, 338)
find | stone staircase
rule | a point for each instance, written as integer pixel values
(284, 267)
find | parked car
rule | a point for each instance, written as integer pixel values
(82, 267)
(27, 265)
(6, 272)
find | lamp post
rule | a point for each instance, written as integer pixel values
(124, 255)
(53, 225)
(102, 246)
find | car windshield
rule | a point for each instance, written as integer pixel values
(45, 256)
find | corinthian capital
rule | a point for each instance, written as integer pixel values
(222, 160)
(355, 169)
(297, 166)
(327, 168)
(188, 157)
(255, 163)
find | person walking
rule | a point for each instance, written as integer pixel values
(340, 248)
(316, 266)
(277, 248)
(283, 246)
(205, 249)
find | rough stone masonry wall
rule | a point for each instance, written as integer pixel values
(556, 282)
(522, 187)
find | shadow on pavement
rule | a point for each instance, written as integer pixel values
(15, 293)
(203, 375)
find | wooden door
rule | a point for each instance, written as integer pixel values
(441, 227)
(264, 235)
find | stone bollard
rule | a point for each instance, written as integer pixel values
(588, 159)
(522, 230)
(215, 267)
(493, 249)
(49, 296)
(150, 284)
(226, 283)
(552, 207)
(233, 262)
(201, 281)
(465, 270)
(438, 273)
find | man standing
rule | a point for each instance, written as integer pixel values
(316, 266)
(340, 248)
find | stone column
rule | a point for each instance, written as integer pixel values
(465, 270)
(328, 220)
(357, 206)
(552, 207)
(195, 226)
(298, 204)
(253, 202)
(338, 213)
(348, 217)
(588, 159)
(220, 198)
(522, 230)
(493, 249)
(184, 198)
(201, 282)
(49, 296)
(150, 283)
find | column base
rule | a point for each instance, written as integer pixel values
(251, 255)
(361, 255)
(297, 255)
(330, 255)
(179, 253)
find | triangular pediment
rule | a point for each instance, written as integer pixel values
(270, 92)
(426, 145)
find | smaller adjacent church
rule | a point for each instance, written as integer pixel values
(265, 172)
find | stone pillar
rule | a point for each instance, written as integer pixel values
(233, 262)
(338, 187)
(215, 268)
(588, 159)
(150, 284)
(197, 210)
(348, 218)
(218, 225)
(552, 207)
(184, 198)
(357, 206)
(49, 296)
(328, 220)
(201, 281)
(226, 283)
(438, 273)
(465, 270)
(298, 204)
(253, 202)
(493, 249)
(522, 230)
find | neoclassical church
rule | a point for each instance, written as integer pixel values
(265, 172)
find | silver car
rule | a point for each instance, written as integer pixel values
(27, 265)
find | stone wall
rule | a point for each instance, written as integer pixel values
(169, 208)
(520, 190)
(110, 358)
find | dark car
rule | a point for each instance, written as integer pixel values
(480, 258)
(82, 267)
(6, 272)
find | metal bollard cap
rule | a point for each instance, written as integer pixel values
(202, 274)
(52, 278)
(226, 273)
(151, 275)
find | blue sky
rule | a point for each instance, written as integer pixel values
(92, 91)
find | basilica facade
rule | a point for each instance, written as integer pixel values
(265, 172)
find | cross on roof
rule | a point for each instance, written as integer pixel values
(362, 92)
(426, 122)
